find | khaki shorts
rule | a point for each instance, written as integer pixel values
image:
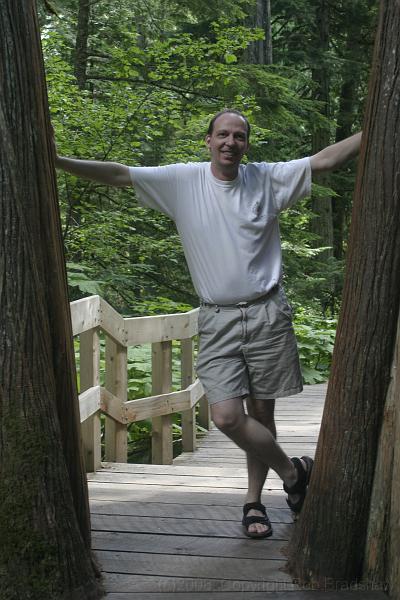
(248, 349)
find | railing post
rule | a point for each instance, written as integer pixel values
(161, 438)
(204, 418)
(89, 352)
(188, 416)
(116, 435)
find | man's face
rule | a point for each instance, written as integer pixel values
(227, 144)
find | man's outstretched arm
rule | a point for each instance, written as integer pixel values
(107, 173)
(334, 156)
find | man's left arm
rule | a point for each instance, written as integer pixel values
(334, 156)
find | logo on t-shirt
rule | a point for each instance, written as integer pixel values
(257, 208)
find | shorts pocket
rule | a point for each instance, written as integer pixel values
(205, 321)
(283, 304)
(279, 312)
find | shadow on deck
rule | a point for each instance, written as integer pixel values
(163, 532)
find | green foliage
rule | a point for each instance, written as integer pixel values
(315, 338)
(78, 278)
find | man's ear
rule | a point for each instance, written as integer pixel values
(207, 140)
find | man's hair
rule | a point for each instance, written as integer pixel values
(229, 111)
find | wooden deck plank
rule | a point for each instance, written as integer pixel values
(179, 480)
(187, 545)
(179, 511)
(203, 567)
(120, 587)
(122, 582)
(180, 527)
(185, 496)
(266, 595)
(289, 594)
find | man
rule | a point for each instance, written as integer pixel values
(227, 217)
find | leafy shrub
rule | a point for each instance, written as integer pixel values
(315, 338)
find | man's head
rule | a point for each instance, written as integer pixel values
(228, 140)
(231, 111)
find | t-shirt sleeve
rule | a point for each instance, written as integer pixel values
(290, 181)
(156, 187)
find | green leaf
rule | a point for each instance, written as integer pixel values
(230, 58)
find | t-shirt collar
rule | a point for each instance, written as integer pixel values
(226, 184)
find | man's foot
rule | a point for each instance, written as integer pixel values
(256, 523)
(297, 491)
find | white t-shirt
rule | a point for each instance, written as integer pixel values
(229, 229)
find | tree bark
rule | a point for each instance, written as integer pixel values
(383, 526)
(260, 52)
(322, 223)
(81, 43)
(44, 520)
(353, 59)
(329, 541)
(345, 120)
(393, 526)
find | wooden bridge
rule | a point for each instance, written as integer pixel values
(172, 529)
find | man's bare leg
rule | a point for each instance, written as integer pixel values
(263, 412)
(254, 438)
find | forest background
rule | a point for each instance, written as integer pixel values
(137, 83)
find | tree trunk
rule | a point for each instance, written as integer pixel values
(383, 527)
(44, 519)
(353, 59)
(345, 120)
(322, 223)
(260, 52)
(81, 44)
(393, 526)
(329, 540)
(268, 33)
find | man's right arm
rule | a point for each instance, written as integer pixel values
(107, 173)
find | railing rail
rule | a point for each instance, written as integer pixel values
(92, 315)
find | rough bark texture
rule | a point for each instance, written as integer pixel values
(383, 527)
(260, 52)
(393, 563)
(329, 540)
(322, 224)
(81, 44)
(345, 118)
(353, 59)
(44, 518)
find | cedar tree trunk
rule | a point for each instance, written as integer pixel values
(322, 223)
(329, 541)
(260, 52)
(353, 57)
(44, 518)
(81, 44)
(381, 568)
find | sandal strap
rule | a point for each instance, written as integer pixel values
(296, 506)
(250, 520)
(303, 476)
(255, 506)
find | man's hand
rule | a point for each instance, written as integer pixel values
(334, 156)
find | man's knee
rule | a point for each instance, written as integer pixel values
(227, 417)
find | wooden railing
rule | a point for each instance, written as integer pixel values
(93, 315)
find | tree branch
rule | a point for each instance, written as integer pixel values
(170, 88)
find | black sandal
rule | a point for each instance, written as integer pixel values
(246, 521)
(300, 487)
